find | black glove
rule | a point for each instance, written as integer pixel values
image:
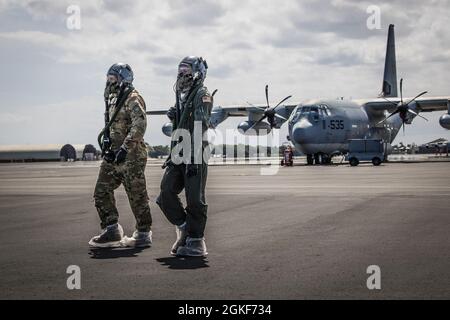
(109, 156)
(171, 113)
(191, 170)
(106, 144)
(121, 155)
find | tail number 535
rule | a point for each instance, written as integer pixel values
(336, 124)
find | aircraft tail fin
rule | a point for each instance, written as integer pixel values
(389, 88)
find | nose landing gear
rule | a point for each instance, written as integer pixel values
(318, 159)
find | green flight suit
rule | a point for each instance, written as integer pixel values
(176, 177)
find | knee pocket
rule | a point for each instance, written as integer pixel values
(101, 191)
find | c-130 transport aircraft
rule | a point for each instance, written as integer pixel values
(322, 129)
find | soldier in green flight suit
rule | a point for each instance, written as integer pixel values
(191, 111)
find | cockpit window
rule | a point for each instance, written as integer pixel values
(297, 114)
(324, 109)
(312, 112)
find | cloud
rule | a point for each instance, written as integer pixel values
(305, 48)
(221, 71)
(193, 13)
(14, 118)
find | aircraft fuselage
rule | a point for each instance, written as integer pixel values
(324, 127)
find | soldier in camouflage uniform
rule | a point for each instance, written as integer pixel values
(193, 106)
(124, 161)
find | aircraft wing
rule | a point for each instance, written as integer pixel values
(244, 110)
(253, 112)
(423, 104)
(432, 104)
(232, 110)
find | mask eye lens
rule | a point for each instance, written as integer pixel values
(111, 78)
(184, 70)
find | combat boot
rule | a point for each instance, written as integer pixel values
(194, 247)
(181, 238)
(109, 238)
(139, 239)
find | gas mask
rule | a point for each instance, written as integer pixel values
(112, 85)
(117, 75)
(185, 79)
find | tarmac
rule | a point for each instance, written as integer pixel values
(307, 232)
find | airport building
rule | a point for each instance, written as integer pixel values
(48, 152)
(436, 146)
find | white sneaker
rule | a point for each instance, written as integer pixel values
(194, 247)
(181, 238)
(139, 239)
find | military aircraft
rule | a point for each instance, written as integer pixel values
(321, 129)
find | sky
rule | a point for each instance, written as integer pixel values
(53, 74)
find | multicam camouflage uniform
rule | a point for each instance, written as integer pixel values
(127, 131)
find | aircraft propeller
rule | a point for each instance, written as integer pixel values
(403, 108)
(270, 112)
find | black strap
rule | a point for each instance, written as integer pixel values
(187, 103)
(121, 98)
(181, 119)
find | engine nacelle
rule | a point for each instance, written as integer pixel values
(262, 128)
(444, 121)
(167, 129)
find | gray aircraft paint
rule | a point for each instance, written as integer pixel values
(389, 86)
(329, 130)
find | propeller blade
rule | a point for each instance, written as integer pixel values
(267, 95)
(257, 122)
(403, 125)
(392, 114)
(401, 90)
(288, 97)
(419, 95)
(253, 106)
(395, 104)
(416, 114)
(281, 117)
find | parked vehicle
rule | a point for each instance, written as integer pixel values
(365, 150)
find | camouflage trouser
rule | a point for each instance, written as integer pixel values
(131, 175)
(173, 182)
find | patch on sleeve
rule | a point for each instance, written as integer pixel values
(207, 99)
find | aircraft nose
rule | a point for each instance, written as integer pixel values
(303, 131)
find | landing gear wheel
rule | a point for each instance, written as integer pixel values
(317, 158)
(376, 161)
(326, 159)
(353, 162)
(309, 159)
